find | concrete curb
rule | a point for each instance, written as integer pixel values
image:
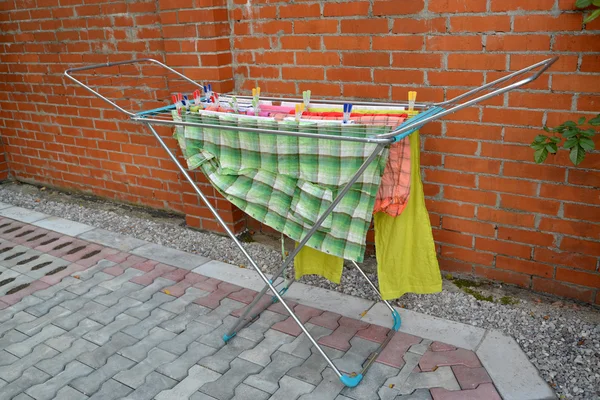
(510, 369)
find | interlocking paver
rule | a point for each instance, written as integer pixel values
(57, 363)
(431, 360)
(22, 396)
(148, 292)
(78, 303)
(372, 381)
(261, 353)
(301, 346)
(25, 347)
(112, 298)
(374, 333)
(304, 313)
(111, 239)
(45, 306)
(142, 328)
(68, 393)
(54, 288)
(213, 299)
(29, 377)
(485, 391)
(48, 389)
(12, 371)
(57, 276)
(111, 390)
(11, 310)
(140, 350)
(354, 358)
(221, 360)
(329, 388)
(178, 369)
(470, 378)
(10, 337)
(177, 275)
(291, 389)
(117, 282)
(179, 344)
(215, 317)
(33, 327)
(91, 383)
(439, 346)
(108, 315)
(268, 379)
(144, 265)
(87, 260)
(99, 266)
(393, 353)
(420, 394)
(179, 304)
(181, 321)
(115, 270)
(6, 359)
(74, 250)
(214, 338)
(33, 287)
(441, 377)
(340, 338)
(224, 387)
(155, 383)
(246, 392)
(198, 377)
(103, 335)
(70, 321)
(17, 319)
(327, 320)
(97, 358)
(85, 286)
(149, 277)
(136, 376)
(64, 341)
(255, 331)
(310, 371)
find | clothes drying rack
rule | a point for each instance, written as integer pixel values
(151, 115)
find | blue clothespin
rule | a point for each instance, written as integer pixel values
(347, 112)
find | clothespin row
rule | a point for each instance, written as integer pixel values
(208, 91)
(299, 111)
(255, 99)
(306, 98)
(412, 98)
(347, 112)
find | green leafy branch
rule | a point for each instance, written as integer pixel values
(577, 140)
(593, 14)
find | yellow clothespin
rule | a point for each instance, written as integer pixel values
(412, 97)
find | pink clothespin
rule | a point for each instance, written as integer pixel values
(178, 101)
(197, 96)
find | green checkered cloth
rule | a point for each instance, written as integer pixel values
(287, 182)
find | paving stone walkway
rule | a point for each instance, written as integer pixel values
(80, 320)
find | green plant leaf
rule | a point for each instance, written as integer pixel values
(581, 121)
(577, 155)
(538, 146)
(569, 124)
(586, 144)
(551, 147)
(583, 3)
(592, 16)
(571, 143)
(555, 139)
(570, 133)
(540, 155)
(547, 129)
(595, 121)
(588, 133)
(596, 3)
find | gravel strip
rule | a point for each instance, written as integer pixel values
(562, 339)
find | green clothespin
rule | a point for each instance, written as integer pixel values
(306, 99)
(234, 104)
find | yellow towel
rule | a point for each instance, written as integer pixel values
(405, 250)
(309, 261)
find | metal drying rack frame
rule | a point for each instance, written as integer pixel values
(428, 112)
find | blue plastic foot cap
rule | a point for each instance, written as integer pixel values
(351, 381)
(397, 320)
(227, 338)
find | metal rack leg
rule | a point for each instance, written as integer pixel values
(351, 380)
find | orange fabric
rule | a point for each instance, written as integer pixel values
(393, 193)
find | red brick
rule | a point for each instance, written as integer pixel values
(515, 5)
(540, 100)
(578, 277)
(525, 236)
(561, 289)
(588, 102)
(299, 10)
(375, 25)
(455, 146)
(518, 43)
(513, 117)
(467, 255)
(454, 43)
(450, 265)
(525, 267)
(416, 60)
(534, 171)
(470, 196)
(514, 278)
(474, 131)
(495, 23)
(505, 217)
(471, 164)
(572, 228)
(366, 91)
(317, 58)
(582, 43)
(462, 225)
(349, 74)
(506, 248)
(349, 43)
(499, 184)
(565, 258)
(474, 62)
(570, 193)
(581, 212)
(404, 43)
(580, 246)
(545, 23)
(273, 27)
(520, 135)
(565, 63)
(531, 204)
(346, 9)
(590, 63)
(457, 6)
(316, 26)
(448, 177)
(455, 238)
(450, 208)
(392, 76)
(393, 7)
(411, 25)
(302, 73)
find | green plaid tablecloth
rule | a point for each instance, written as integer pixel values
(287, 182)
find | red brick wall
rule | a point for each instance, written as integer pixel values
(495, 213)
(3, 164)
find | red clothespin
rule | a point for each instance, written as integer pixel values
(197, 96)
(178, 101)
(214, 98)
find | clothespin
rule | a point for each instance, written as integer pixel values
(234, 104)
(197, 96)
(412, 97)
(306, 98)
(347, 112)
(178, 101)
(185, 102)
(214, 97)
(299, 111)
(255, 100)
